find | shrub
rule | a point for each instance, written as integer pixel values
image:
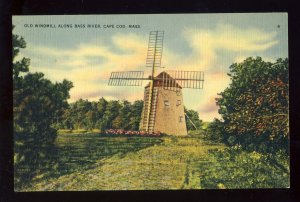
(234, 168)
(254, 107)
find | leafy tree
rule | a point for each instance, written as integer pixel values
(117, 122)
(37, 104)
(22, 65)
(215, 131)
(192, 122)
(67, 121)
(254, 107)
(101, 107)
(80, 111)
(125, 114)
(61, 91)
(102, 115)
(90, 119)
(111, 112)
(136, 113)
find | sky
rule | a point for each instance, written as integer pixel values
(192, 42)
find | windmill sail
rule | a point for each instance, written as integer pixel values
(155, 49)
(184, 79)
(127, 78)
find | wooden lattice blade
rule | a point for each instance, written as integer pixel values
(126, 78)
(155, 49)
(182, 79)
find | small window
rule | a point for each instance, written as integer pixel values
(167, 103)
(178, 102)
(181, 119)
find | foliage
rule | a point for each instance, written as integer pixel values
(254, 107)
(37, 104)
(205, 124)
(102, 114)
(192, 122)
(215, 131)
(233, 168)
(112, 114)
(136, 111)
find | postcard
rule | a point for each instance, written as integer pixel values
(151, 102)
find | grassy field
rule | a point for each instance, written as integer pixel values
(93, 162)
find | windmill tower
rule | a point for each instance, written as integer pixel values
(163, 102)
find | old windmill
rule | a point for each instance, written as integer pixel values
(163, 102)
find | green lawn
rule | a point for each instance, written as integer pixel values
(93, 162)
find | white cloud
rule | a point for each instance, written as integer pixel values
(205, 43)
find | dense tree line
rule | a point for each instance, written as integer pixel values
(254, 107)
(37, 104)
(112, 114)
(102, 114)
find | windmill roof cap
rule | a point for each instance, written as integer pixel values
(159, 82)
